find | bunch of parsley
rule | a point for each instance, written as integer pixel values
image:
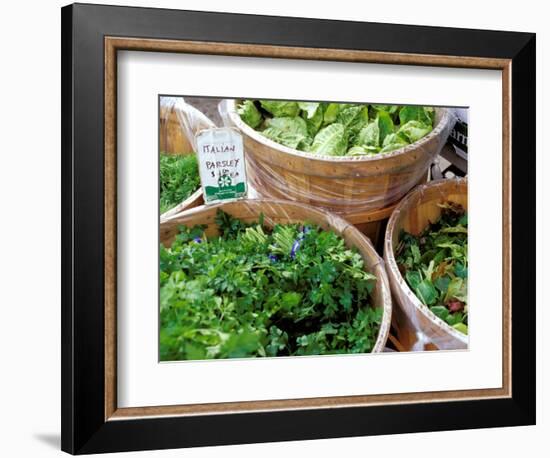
(255, 291)
(337, 129)
(179, 178)
(435, 265)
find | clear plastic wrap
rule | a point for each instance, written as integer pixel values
(279, 211)
(172, 138)
(413, 214)
(190, 122)
(345, 185)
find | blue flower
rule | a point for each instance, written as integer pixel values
(273, 257)
(197, 240)
(295, 247)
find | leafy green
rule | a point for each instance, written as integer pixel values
(330, 141)
(385, 126)
(426, 292)
(415, 113)
(393, 141)
(367, 129)
(315, 121)
(179, 178)
(254, 291)
(309, 109)
(280, 108)
(249, 113)
(435, 265)
(414, 130)
(289, 131)
(331, 112)
(390, 109)
(312, 112)
(353, 118)
(362, 150)
(369, 135)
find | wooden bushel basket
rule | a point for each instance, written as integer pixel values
(413, 214)
(283, 212)
(348, 186)
(173, 140)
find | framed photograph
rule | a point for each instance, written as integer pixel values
(286, 228)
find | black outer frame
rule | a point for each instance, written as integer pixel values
(84, 429)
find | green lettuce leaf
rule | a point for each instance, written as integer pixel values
(249, 113)
(363, 150)
(280, 108)
(289, 139)
(330, 141)
(390, 109)
(385, 126)
(369, 135)
(313, 114)
(461, 270)
(393, 142)
(413, 278)
(330, 113)
(412, 113)
(414, 130)
(457, 290)
(442, 283)
(353, 118)
(309, 108)
(440, 311)
(461, 327)
(289, 131)
(294, 124)
(395, 138)
(426, 292)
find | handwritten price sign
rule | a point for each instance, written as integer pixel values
(221, 164)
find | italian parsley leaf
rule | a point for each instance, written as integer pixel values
(256, 291)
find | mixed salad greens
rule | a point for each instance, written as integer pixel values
(338, 129)
(179, 178)
(255, 291)
(435, 265)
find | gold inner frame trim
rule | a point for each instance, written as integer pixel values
(114, 44)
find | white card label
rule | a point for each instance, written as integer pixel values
(221, 164)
